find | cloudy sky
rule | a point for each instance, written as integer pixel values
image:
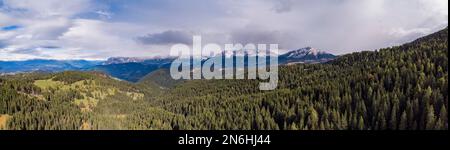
(97, 29)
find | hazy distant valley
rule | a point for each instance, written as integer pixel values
(134, 68)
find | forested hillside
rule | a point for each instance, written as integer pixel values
(398, 88)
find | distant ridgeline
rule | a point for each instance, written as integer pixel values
(134, 69)
(399, 88)
(42, 65)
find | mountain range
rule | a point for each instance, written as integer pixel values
(305, 55)
(403, 87)
(43, 65)
(135, 68)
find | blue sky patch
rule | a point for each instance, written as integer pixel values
(10, 28)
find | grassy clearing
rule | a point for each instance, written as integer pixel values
(91, 90)
(47, 84)
(3, 120)
(86, 104)
(135, 96)
(35, 96)
(85, 126)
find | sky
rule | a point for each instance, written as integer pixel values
(98, 29)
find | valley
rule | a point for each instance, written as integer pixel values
(398, 88)
(133, 69)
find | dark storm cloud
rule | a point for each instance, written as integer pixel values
(282, 6)
(259, 36)
(166, 37)
(31, 51)
(244, 36)
(50, 47)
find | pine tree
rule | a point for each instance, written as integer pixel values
(403, 122)
(361, 123)
(430, 118)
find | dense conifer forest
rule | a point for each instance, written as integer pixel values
(398, 88)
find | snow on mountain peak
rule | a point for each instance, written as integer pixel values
(249, 53)
(303, 52)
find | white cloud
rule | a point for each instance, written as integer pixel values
(98, 37)
(104, 14)
(4, 19)
(46, 8)
(338, 26)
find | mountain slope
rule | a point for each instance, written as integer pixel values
(132, 69)
(127, 71)
(397, 88)
(160, 78)
(305, 55)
